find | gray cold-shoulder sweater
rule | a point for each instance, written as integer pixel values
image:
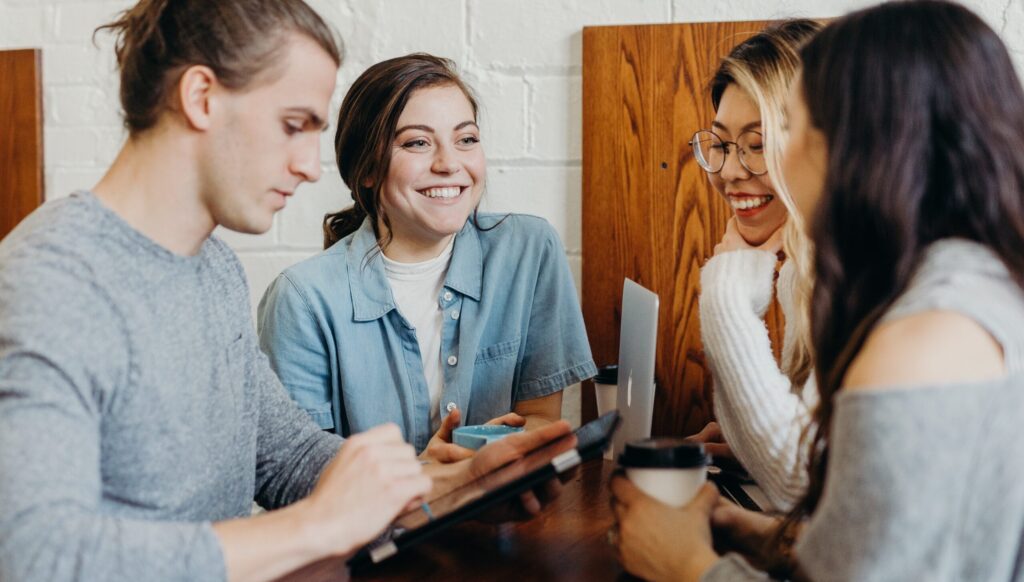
(927, 483)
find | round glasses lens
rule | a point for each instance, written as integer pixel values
(751, 146)
(709, 151)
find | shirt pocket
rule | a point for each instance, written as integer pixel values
(499, 351)
(493, 374)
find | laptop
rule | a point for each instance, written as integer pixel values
(638, 340)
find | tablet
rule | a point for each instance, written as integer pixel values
(469, 500)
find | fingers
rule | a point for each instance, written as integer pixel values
(624, 491)
(705, 499)
(527, 441)
(510, 419)
(530, 503)
(710, 433)
(449, 453)
(450, 423)
(719, 450)
(725, 513)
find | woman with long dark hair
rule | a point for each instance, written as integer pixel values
(906, 133)
(421, 310)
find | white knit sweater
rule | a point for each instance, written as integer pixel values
(761, 414)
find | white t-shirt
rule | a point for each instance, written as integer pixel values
(417, 291)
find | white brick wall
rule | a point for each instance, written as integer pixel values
(522, 56)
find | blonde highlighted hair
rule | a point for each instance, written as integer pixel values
(764, 66)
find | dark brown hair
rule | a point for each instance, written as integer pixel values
(366, 129)
(923, 115)
(240, 40)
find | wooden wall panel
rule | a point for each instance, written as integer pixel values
(21, 136)
(649, 212)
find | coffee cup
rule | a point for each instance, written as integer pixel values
(670, 470)
(606, 386)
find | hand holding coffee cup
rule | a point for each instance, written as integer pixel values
(671, 470)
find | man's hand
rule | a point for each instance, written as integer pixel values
(373, 478)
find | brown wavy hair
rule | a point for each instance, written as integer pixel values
(366, 129)
(241, 41)
(923, 114)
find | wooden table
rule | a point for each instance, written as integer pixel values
(565, 542)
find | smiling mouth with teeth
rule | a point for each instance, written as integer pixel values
(443, 193)
(748, 202)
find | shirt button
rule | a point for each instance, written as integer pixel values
(451, 406)
(448, 295)
(452, 360)
(455, 314)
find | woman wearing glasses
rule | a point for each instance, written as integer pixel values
(905, 133)
(761, 409)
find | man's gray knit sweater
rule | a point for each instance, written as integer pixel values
(135, 405)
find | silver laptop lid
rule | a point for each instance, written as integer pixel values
(638, 339)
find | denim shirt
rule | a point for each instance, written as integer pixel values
(512, 330)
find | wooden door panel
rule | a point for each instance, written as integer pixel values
(21, 136)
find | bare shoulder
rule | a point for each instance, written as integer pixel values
(926, 349)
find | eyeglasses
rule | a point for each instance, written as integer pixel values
(711, 151)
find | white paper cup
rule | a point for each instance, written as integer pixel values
(606, 397)
(675, 487)
(669, 470)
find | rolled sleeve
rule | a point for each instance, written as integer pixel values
(557, 352)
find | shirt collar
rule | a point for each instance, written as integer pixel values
(368, 282)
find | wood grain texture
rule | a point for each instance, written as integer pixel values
(21, 136)
(649, 212)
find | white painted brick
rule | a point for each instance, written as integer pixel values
(576, 268)
(547, 33)
(110, 140)
(696, 11)
(556, 112)
(374, 31)
(302, 220)
(76, 21)
(70, 147)
(1013, 31)
(22, 26)
(503, 122)
(552, 193)
(60, 183)
(80, 63)
(262, 268)
(82, 105)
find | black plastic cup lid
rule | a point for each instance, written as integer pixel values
(607, 375)
(664, 453)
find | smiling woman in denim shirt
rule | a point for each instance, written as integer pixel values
(422, 310)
